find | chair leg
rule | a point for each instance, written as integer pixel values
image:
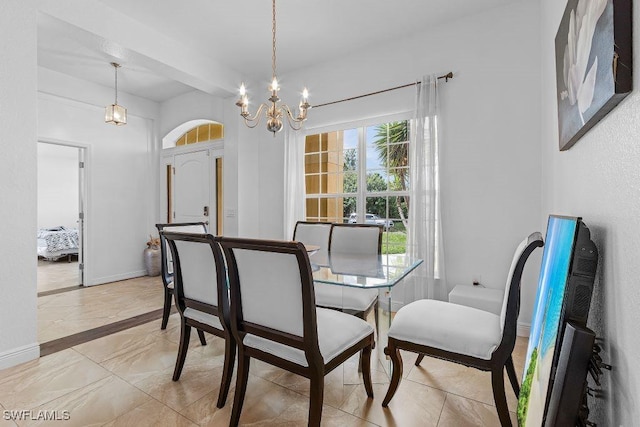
(419, 359)
(363, 315)
(394, 353)
(366, 368)
(227, 371)
(513, 378)
(203, 341)
(241, 387)
(166, 309)
(316, 398)
(497, 383)
(185, 334)
(375, 319)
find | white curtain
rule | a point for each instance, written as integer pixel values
(424, 238)
(294, 202)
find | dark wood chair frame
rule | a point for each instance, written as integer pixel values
(500, 358)
(167, 277)
(374, 305)
(308, 343)
(222, 311)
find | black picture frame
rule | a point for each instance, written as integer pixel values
(593, 49)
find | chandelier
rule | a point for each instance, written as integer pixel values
(114, 113)
(273, 111)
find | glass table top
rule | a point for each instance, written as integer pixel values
(361, 271)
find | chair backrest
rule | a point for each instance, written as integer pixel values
(166, 263)
(313, 233)
(362, 239)
(272, 291)
(511, 299)
(199, 276)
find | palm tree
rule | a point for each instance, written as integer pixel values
(395, 157)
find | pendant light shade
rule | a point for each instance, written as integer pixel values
(114, 113)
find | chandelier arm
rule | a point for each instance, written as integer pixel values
(294, 123)
(290, 116)
(257, 116)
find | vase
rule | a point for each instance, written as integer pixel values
(152, 261)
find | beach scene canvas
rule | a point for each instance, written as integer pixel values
(547, 319)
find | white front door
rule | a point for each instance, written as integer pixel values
(192, 188)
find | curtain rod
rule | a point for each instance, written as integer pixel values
(446, 78)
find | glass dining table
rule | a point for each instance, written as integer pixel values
(366, 272)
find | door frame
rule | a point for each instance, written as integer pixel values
(167, 158)
(84, 158)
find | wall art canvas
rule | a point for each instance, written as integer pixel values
(593, 64)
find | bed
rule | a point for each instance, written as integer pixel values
(57, 242)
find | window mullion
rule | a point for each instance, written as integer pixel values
(362, 175)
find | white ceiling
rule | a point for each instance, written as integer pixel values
(236, 35)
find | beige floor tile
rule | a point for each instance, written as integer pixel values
(96, 403)
(34, 383)
(57, 274)
(265, 404)
(336, 391)
(413, 405)
(75, 311)
(6, 418)
(118, 344)
(151, 414)
(144, 361)
(459, 380)
(201, 374)
(202, 411)
(461, 412)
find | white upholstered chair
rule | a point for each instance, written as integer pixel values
(351, 239)
(166, 264)
(274, 319)
(202, 297)
(464, 335)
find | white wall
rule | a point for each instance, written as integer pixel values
(18, 116)
(121, 169)
(58, 191)
(598, 180)
(491, 146)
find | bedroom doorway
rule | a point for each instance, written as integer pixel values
(61, 216)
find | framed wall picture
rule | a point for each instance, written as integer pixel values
(593, 64)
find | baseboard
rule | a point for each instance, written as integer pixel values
(19, 355)
(116, 278)
(523, 329)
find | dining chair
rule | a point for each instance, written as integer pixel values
(274, 318)
(464, 335)
(202, 297)
(352, 239)
(313, 233)
(166, 265)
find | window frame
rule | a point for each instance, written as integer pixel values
(361, 195)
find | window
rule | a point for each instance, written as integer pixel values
(361, 175)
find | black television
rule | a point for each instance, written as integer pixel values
(565, 287)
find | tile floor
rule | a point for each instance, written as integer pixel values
(57, 274)
(124, 379)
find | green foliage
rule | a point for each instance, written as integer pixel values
(349, 160)
(392, 154)
(394, 242)
(525, 389)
